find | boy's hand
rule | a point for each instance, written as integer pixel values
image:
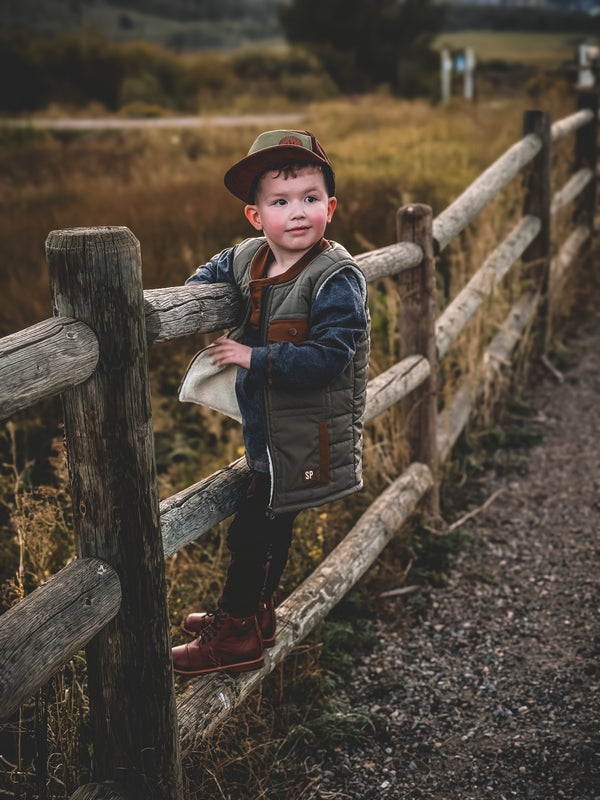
(226, 351)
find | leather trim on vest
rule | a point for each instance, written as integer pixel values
(289, 330)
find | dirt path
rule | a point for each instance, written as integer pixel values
(493, 692)
(118, 123)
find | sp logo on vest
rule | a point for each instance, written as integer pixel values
(309, 475)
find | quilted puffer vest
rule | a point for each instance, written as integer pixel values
(314, 436)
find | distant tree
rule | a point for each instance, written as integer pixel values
(23, 80)
(365, 43)
(125, 22)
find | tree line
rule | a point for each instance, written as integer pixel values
(337, 46)
(139, 78)
(349, 46)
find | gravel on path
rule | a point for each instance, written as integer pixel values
(492, 691)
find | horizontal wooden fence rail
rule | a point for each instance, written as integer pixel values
(568, 125)
(454, 219)
(75, 354)
(568, 252)
(481, 286)
(193, 308)
(453, 419)
(52, 624)
(572, 189)
(44, 360)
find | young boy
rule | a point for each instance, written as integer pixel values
(302, 361)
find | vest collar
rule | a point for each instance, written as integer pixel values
(264, 256)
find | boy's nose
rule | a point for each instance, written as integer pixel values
(297, 210)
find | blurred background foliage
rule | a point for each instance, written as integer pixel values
(152, 57)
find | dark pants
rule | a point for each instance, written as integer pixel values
(259, 548)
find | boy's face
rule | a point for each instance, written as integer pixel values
(292, 211)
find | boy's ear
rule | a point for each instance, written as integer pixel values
(331, 206)
(253, 217)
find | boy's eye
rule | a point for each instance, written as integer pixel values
(279, 202)
(311, 199)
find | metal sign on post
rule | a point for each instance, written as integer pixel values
(463, 63)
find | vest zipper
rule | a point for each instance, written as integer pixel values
(264, 340)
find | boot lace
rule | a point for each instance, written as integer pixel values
(211, 630)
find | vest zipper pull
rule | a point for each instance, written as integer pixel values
(269, 513)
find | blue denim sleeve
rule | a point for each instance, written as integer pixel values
(218, 270)
(337, 319)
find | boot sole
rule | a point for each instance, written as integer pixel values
(243, 666)
(266, 642)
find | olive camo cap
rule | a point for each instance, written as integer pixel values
(271, 149)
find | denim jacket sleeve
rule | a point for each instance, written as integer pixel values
(338, 317)
(218, 270)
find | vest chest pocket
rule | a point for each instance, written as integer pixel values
(288, 330)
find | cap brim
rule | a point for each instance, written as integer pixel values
(240, 177)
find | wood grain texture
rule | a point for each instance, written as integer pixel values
(188, 514)
(475, 198)
(194, 308)
(481, 286)
(44, 360)
(95, 276)
(43, 631)
(390, 260)
(394, 384)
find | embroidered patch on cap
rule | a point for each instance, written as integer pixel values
(291, 140)
(309, 475)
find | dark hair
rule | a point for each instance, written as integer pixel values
(288, 170)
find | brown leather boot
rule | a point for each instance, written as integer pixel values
(231, 643)
(196, 622)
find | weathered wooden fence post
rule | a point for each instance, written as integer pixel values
(586, 153)
(417, 293)
(95, 276)
(536, 201)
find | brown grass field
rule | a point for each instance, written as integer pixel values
(166, 186)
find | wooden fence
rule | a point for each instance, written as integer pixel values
(93, 351)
